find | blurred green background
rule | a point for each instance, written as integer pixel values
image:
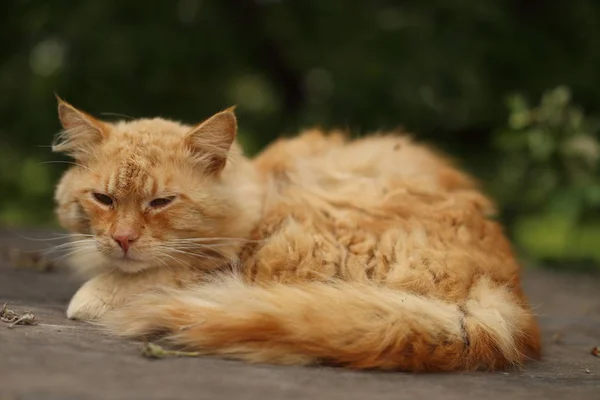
(509, 88)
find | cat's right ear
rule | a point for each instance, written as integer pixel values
(81, 132)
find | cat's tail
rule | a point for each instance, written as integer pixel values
(353, 325)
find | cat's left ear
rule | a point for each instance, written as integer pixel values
(211, 140)
(81, 133)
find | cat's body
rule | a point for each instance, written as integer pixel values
(373, 253)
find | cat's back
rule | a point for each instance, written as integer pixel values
(381, 208)
(331, 161)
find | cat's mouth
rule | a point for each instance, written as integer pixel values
(131, 256)
(134, 260)
(128, 257)
(130, 264)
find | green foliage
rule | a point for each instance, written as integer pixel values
(547, 177)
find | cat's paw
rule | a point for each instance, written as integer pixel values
(90, 302)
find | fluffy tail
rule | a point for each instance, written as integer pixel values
(353, 325)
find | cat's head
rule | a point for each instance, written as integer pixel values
(151, 192)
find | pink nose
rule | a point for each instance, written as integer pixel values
(125, 239)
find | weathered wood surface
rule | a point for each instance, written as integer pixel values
(62, 359)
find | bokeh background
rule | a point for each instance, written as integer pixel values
(509, 88)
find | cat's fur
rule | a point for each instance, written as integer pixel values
(372, 253)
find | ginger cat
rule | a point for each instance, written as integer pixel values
(372, 253)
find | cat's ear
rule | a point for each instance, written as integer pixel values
(81, 134)
(211, 140)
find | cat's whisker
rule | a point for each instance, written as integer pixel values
(67, 246)
(183, 250)
(180, 251)
(166, 264)
(202, 245)
(199, 257)
(73, 252)
(58, 237)
(65, 162)
(196, 249)
(129, 117)
(209, 239)
(65, 250)
(54, 249)
(154, 258)
(175, 259)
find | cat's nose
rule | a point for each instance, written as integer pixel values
(125, 239)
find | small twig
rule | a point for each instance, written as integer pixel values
(26, 319)
(7, 315)
(12, 318)
(152, 350)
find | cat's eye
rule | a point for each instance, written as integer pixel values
(103, 199)
(161, 202)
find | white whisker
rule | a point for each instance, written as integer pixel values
(67, 246)
(209, 239)
(74, 251)
(65, 162)
(57, 237)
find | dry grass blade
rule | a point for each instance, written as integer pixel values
(13, 318)
(152, 350)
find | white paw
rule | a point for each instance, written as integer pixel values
(90, 302)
